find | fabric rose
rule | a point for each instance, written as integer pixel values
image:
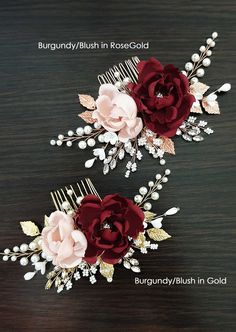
(108, 224)
(62, 242)
(117, 112)
(162, 96)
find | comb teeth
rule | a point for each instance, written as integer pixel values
(126, 69)
(69, 195)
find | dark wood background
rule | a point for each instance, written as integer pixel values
(38, 99)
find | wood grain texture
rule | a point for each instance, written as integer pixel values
(38, 99)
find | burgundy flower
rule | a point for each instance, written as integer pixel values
(107, 225)
(162, 96)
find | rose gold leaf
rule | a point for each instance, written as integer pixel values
(87, 116)
(198, 88)
(212, 107)
(87, 101)
(196, 107)
(167, 145)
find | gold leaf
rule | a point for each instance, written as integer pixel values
(198, 89)
(106, 270)
(211, 107)
(158, 234)
(87, 101)
(167, 145)
(48, 284)
(149, 215)
(46, 222)
(87, 116)
(140, 240)
(29, 228)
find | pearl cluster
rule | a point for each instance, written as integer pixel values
(121, 84)
(151, 192)
(25, 253)
(193, 69)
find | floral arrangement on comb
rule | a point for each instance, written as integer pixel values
(145, 104)
(87, 235)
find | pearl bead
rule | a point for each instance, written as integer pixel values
(155, 196)
(162, 162)
(32, 245)
(143, 190)
(24, 261)
(34, 258)
(82, 145)
(7, 251)
(88, 130)
(24, 247)
(158, 176)
(101, 138)
(53, 142)
(118, 85)
(200, 72)
(16, 249)
(65, 205)
(79, 199)
(116, 74)
(126, 80)
(194, 80)
(189, 66)
(5, 258)
(208, 41)
(60, 136)
(91, 142)
(159, 186)
(43, 255)
(69, 192)
(13, 258)
(70, 133)
(71, 213)
(214, 35)
(150, 184)
(206, 62)
(147, 206)
(138, 198)
(69, 143)
(209, 53)
(212, 44)
(202, 48)
(164, 179)
(80, 131)
(167, 171)
(59, 143)
(195, 57)
(97, 125)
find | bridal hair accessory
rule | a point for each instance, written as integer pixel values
(145, 104)
(88, 234)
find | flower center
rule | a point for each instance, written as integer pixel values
(159, 95)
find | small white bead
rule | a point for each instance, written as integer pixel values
(88, 130)
(206, 62)
(116, 74)
(143, 190)
(202, 48)
(79, 199)
(212, 44)
(70, 133)
(155, 196)
(195, 57)
(194, 80)
(7, 251)
(101, 138)
(164, 179)
(53, 142)
(16, 249)
(158, 176)
(65, 205)
(82, 145)
(214, 35)
(150, 184)
(167, 171)
(147, 206)
(97, 125)
(24, 247)
(34, 258)
(209, 53)
(91, 142)
(69, 143)
(200, 72)
(43, 255)
(159, 186)
(208, 41)
(32, 245)
(59, 143)
(126, 80)
(5, 258)
(184, 72)
(138, 198)
(13, 258)
(162, 162)
(71, 213)
(69, 192)
(80, 131)
(188, 66)
(118, 84)
(60, 136)
(24, 261)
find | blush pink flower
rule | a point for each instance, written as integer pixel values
(62, 242)
(117, 112)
